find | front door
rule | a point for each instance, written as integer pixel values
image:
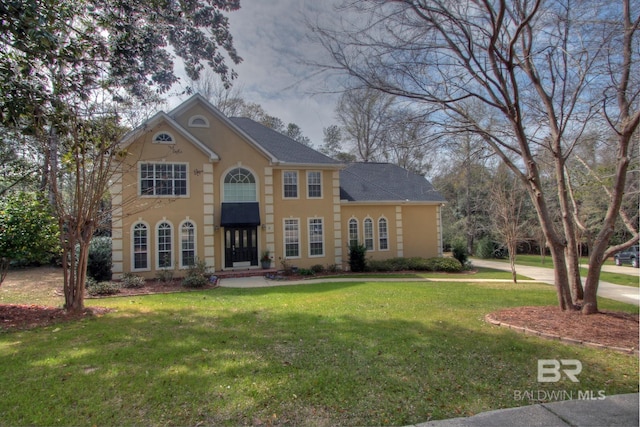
(241, 246)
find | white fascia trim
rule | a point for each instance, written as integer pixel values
(159, 118)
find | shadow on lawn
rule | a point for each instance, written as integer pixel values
(266, 366)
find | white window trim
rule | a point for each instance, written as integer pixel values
(309, 237)
(373, 233)
(155, 137)
(321, 186)
(284, 239)
(256, 178)
(297, 185)
(133, 253)
(192, 120)
(163, 196)
(380, 235)
(195, 242)
(157, 248)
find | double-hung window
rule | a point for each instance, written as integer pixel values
(165, 245)
(383, 234)
(292, 238)
(290, 184)
(140, 246)
(368, 234)
(163, 179)
(187, 244)
(353, 232)
(314, 184)
(316, 237)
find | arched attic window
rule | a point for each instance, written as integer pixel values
(163, 138)
(198, 122)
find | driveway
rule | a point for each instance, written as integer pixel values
(621, 293)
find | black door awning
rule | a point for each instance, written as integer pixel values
(245, 214)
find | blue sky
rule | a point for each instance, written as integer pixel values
(270, 36)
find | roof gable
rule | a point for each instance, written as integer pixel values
(363, 182)
(162, 117)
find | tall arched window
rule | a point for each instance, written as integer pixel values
(165, 245)
(140, 243)
(368, 234)
(383, 234)
(353, 232)
(187, 244)
(240, 186)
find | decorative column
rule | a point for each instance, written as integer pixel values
(399, 232)
(337, 219)
(117, 250)
(208, 215)
(269, 216)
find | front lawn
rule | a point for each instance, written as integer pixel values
(317, 354)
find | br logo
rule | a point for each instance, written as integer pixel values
(550, 370)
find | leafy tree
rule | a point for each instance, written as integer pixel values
(28, 230)
(544, 72)
(65, 67)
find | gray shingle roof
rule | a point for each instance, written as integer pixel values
(361, 182)
(281, 146)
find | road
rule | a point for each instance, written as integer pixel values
(621, 293)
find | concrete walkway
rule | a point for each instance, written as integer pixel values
(614, 411)
(621, 293)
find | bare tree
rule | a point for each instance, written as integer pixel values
(508, 212)
(545, 71)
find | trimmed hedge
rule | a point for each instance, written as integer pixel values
(448, 265)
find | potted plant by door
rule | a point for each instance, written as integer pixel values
(265, 259)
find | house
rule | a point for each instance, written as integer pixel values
(195, 184)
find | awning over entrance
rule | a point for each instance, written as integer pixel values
(245, 214)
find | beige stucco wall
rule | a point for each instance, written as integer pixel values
(413, 230)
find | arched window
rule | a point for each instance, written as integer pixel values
(165, 245)
(368, 234)
(198, 122)
(383, 234)
(140, 243)
(353, 232)
(187, 244)
(163, 138)
(239, 186)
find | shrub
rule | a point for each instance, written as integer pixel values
(317, 268)
(419, 264)
(460, 253)
(197, 275)
(131, 281)
(95, 288)
(99, 261)
(447, 265)
(164, 275)
(333, 268)
(379, 265)
(357, 257)
(306, 272)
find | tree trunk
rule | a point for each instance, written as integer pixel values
(511, 247)
(561, 277)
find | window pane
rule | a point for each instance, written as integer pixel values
(382, 233)
(140, 246)
(188, 244)
(353, 232)
(290, 179)
(164, 246)
(291, 238)
(368, 234)
(314, 184)
(163, 179)
(316, 237)
(240, 186)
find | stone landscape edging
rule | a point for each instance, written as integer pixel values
(554, 337)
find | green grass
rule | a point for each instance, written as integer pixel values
(630, 279)
(317, 354)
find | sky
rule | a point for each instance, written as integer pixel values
(270, 36)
